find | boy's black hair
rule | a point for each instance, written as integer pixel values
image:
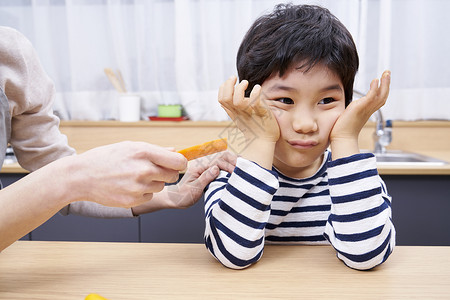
(294, 34)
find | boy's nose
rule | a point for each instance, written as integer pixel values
(304, 122)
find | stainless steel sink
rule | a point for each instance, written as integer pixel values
(393, 157)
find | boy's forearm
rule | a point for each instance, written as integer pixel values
(260, 151)
(223, 211)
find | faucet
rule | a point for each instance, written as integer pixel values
(383, 131)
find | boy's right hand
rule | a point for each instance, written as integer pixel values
(253, 118)
(251, 115)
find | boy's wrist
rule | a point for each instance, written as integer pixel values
(260, 151)
(344, 147)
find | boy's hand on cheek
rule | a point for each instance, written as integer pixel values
(253, 118)
(344, 135)
(251, 115)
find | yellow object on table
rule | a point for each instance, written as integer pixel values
(94, 297)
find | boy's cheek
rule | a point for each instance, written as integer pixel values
(331, 119)
(277, 112)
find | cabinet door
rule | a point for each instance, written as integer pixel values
(78, 228)
(8, 178)
(174, 225)
(420, 208)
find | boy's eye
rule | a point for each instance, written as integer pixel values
(327, 100)
(285, 100)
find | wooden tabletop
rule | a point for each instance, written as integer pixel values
(72, 270)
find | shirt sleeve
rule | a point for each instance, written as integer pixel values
(92, 209)
(360, 225)
(237, 208)
(35, 134)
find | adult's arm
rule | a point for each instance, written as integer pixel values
(35, 134)
(118, 175)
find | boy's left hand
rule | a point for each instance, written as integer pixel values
(189, 189)
(199, 174)
(344, 135)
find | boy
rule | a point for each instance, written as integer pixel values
(299, 63)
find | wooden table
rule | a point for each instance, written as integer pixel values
(72, 270)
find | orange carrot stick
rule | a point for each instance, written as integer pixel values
(204, 149)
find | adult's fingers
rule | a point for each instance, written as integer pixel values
(158, 173)
(154, 187)
(165, 158)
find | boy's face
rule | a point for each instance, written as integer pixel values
(306, 106)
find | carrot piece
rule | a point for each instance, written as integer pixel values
(204, 149)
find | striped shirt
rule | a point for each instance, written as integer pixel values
(344, 204)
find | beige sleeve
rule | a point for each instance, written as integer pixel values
(91, 209)
(35, 134)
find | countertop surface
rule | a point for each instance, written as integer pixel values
(391, 169)
(430, 138)
(72, 270)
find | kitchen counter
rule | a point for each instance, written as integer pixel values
(430, 138)
(72, 270)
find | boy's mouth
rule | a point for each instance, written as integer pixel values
(302, 144)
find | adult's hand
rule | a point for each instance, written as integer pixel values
(125, 174)
(188, 191)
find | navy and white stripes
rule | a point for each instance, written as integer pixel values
(345, 203)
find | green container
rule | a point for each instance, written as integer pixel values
(169, 111)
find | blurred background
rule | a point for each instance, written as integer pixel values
(180, 51)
